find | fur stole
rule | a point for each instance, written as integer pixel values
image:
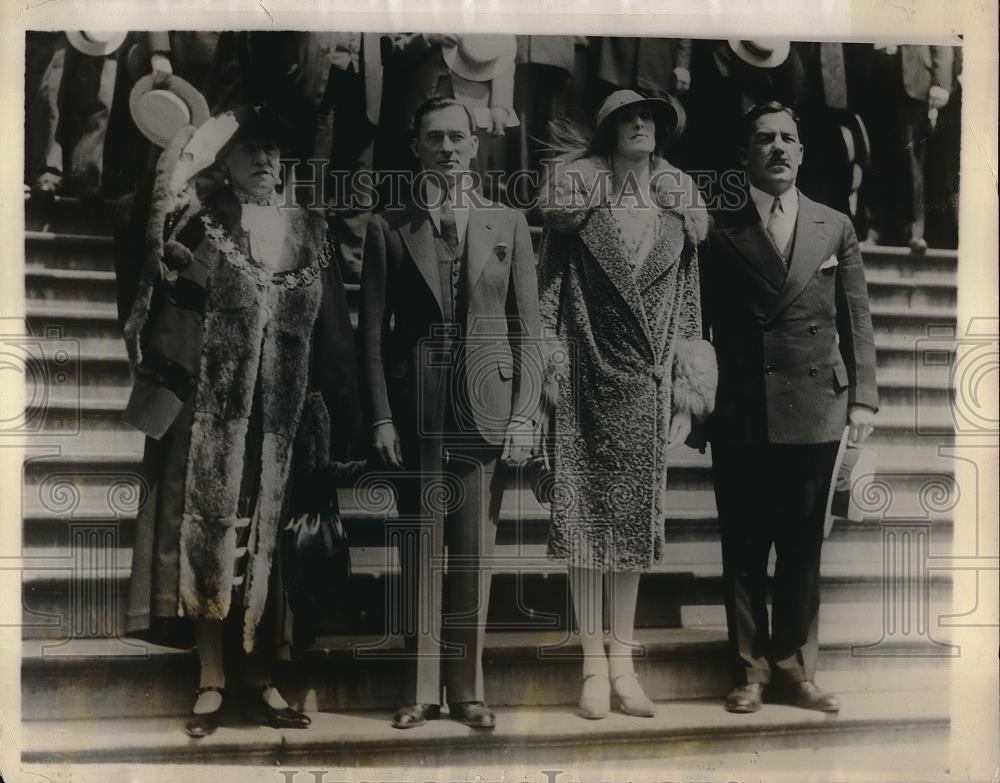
(579, 186)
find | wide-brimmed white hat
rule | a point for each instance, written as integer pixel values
(96, 42)
(159, 112)
(761, 53)
(477, 57)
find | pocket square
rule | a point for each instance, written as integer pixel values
(830, 263)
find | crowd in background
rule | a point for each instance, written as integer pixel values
(880, 122)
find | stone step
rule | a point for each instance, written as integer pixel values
(528, 590)
(886, 287)
(899, 260)
(879, 731)
(78, 286)
(125, 678)
(69, 251)
(904, 319)
(68, 215)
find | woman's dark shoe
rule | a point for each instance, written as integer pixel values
(201, 724)
(410, 715)
(258, 712)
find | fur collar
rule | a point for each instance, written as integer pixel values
(582, 185)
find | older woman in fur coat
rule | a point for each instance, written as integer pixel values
(239, 338)
(618, 281)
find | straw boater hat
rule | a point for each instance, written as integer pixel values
(668, 113)
(477, 57)
(96, 42)
(761, 53)
(159, 112)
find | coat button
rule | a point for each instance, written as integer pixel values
(769, 369)
(812, 372)
(813, 328)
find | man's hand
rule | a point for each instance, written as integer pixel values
(518, 442)
(860, 418)
(161, 67)
(498, 120)
(937, 97)
(682, 80)
(680, 428)
(441, 39)
(385, 442)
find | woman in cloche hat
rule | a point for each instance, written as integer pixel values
(239, 331)
(628, 370)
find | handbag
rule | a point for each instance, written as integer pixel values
(316, 553)
(317, 562)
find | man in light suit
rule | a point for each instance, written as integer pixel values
(451, 393)
(786, 303)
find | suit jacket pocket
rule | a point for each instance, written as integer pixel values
(840, 380)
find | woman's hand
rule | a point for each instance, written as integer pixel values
(680, 428)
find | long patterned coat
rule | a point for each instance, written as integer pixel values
(228, 360)
(629, 353)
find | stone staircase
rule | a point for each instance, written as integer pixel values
(88, 695)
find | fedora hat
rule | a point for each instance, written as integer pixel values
(761, 53)
(159, 112)
(477, 57)
(96, 42)
(667, 112)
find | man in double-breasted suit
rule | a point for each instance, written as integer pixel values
(451, 393)
(786, 302)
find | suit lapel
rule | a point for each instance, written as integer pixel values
(601, 236)
(479, 240)
(418, 236)
(807, 254)
(750, 238)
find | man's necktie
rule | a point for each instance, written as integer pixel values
(449, 228)
(449, 233)
(774, 225)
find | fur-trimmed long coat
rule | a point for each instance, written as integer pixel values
(629, 352)
(228, 359)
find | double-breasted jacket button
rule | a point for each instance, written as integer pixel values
(812, 372)
(813, 328)
(769, 369)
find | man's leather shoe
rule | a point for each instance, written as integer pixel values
(410, 715)
(808, 696)
(473, 713)
(746, 698)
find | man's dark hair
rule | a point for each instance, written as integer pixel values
(437, 104)
(758, 110)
